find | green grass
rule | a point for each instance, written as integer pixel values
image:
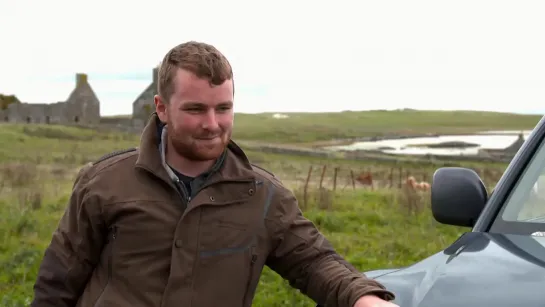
(76, 146)
(58, 144)
(314, 127)
(370, 228)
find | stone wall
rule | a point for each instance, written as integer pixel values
(143, 106)
(43, 113)
(81, 107)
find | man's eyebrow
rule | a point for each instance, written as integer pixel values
(192, 104)
(225, 103)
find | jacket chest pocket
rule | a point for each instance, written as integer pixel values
(229, 278)
(227, 230)
(227, 256)
(223, 236)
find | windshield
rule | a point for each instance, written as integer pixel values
(526, 204)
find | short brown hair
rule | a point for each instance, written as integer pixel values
(202, 59)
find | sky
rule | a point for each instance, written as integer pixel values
(311, 56)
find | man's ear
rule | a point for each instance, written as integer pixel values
(160, 108)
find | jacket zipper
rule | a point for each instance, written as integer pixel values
(253, 260)
(184, 194)
(110, 255)
(113, 237)
(178, 187)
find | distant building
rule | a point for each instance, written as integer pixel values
(143, 106)
(81, 107)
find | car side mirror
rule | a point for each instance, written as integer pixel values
(458, 196)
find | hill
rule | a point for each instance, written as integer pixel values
(320, 127)
(312, 127)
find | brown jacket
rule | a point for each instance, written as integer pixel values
(129, 238)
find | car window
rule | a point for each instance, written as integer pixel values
(526, 203)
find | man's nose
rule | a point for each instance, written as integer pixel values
(210, 120)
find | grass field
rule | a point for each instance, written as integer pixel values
(369, 225)
(306, 128)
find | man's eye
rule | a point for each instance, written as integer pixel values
(223, 109)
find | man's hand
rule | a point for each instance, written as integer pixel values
(373, 301)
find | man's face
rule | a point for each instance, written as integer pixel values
(199, 117)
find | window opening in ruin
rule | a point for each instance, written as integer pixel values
(76, 119)
(47, 120)
(6, 119)
(28, 119)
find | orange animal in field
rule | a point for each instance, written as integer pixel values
(420, 186)
(365, 178)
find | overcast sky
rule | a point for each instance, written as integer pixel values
(287, 56)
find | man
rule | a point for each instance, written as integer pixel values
(185, 219)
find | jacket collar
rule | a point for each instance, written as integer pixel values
(232, 165)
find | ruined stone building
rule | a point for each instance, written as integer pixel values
(81, 107)
(143, 106)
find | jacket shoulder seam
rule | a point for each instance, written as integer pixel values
(268, 176)
(100, 168)
(114, 154)
(256, 168)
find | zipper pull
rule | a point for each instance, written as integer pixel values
(113, 232)
(254, 255)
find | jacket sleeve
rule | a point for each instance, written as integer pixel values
(74, 250)
(304, 257)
